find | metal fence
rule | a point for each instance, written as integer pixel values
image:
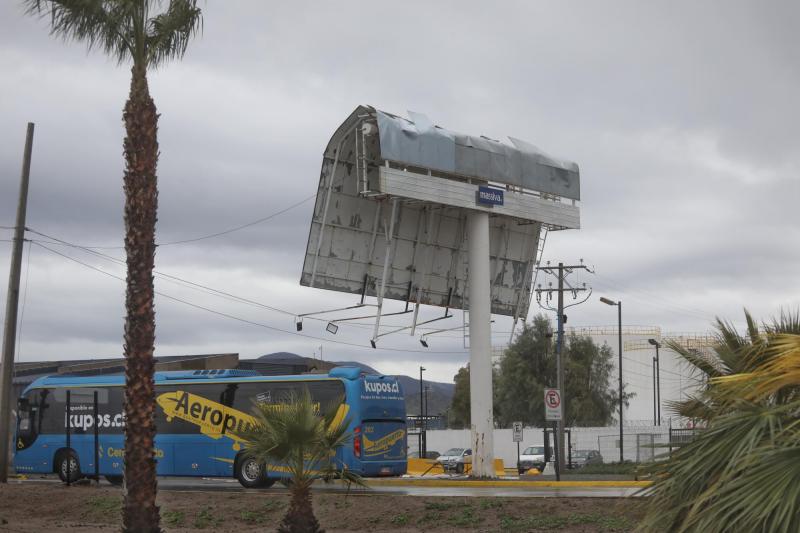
(641, 444)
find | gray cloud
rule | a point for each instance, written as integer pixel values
(682, 116)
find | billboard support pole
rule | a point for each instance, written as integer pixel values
(480, 363)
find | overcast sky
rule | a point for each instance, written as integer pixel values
(683, 117)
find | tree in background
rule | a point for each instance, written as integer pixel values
(590, 400)
(459, 410)
(742, 471)
(529, 366)
(459, 413)
(146, 33)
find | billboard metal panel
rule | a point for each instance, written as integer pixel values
(362, 195)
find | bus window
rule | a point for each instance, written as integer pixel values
(228, 395)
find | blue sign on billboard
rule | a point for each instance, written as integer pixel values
(489, 196)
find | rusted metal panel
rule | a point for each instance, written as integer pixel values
(347, 242)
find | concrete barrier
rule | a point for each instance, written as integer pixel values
(421, 467)
(499, 468)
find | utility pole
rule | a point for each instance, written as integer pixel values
(561, 272)
(12, 303)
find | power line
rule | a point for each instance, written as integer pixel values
(244, 320)
(202, 237)
(191, 284)
(243, 226)
(652, 299)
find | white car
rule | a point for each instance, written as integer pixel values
(455, 459)
(532, 457)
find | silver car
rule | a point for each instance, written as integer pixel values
(532, 457)
(454, 459)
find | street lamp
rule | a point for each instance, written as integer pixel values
(619, 331)
(657, 378)
(423, 444)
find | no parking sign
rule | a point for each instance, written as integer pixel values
(552, 404)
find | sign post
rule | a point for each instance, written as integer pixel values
(552, 413)
(517, 428)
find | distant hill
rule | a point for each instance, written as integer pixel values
(440, 395)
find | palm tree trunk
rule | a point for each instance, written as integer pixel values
(140, 513)
(300, 516)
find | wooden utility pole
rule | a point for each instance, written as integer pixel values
(12, 302)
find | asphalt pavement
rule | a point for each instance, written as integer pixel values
(400, 486)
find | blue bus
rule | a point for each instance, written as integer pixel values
(197, 416)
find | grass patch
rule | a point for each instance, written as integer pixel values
(399, 519)
(465, 518)
(439, 506)
(550, 523)
(207, 518)
(104, 505)
(429, 517)
(485, 504)
(262, 514)
(173, 518)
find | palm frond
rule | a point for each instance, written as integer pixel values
(169, 33)
(101, 24)
(300, 437)
(123, 29)
(781, 369)
(743, 472)
(697, 359)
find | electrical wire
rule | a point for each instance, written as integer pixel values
(202, 237)
(243, 226)
(198, 286)
(246, 321)
(652, 299)
(24, 302)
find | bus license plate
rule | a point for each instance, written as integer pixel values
(386, 471)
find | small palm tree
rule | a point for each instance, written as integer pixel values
(145, 33)
(742, 473)
(300, 440)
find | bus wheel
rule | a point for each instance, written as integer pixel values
(115, 480)
(250, 473)
(68, 462)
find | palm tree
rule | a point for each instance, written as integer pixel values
(742, 473)
(146, 34)
(300, 440)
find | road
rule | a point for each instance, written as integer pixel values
(395, 487)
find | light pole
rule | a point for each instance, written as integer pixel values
(658, 378)
(619, 331)
(427, 388)
(423, 444)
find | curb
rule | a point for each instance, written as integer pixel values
(506, 483)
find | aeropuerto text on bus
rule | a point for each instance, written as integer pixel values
(198, 416)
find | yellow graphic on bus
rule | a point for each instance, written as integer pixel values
(215, 419)
(383, 444)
